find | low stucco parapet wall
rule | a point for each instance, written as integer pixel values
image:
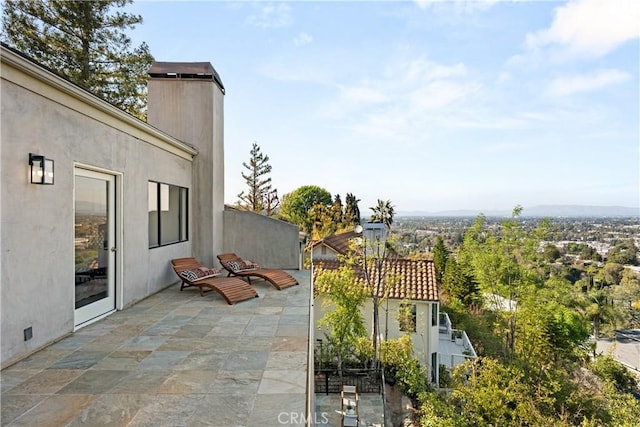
(268, 241)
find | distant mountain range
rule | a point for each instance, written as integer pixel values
(566, 211)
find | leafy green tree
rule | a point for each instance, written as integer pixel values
(296, 206)
(610, 274)
(323, 224)
(614, 373)
(549, 332)
(84, 41)
(551, 252)
(627, 295)
(402, 368)
(491, 393)
(351, 211)
(260, 192)
(589, 253)
(345, 296)
(625, 253)
(504, 263)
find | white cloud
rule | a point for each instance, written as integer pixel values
(590, 28)
(271, 16)
(412, 86)
(405, 101)
(568, 85)
(302, 39)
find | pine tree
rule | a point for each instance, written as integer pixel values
(440, 255)
(271, 202)
(260, 194)
(85, 42)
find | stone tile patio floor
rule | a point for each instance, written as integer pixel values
(173, 359)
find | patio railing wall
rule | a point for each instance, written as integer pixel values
(366, 380)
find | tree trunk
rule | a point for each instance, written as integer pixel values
(375, 333)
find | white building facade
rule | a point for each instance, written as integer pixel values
(121, 205)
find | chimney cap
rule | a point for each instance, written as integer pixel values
(185, 70)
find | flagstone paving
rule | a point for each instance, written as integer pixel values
(173, 359)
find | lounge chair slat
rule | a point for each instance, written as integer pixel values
(280, 279)
(231, 289)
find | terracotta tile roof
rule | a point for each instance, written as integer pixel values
(414, 279)
(338, 242)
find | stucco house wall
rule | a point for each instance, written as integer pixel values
(425, 338)
(192, 110)
(269, 242)
(44, 114)
(322, 251)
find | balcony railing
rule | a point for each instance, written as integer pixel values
(455, 345)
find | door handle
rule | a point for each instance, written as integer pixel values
(114, 249)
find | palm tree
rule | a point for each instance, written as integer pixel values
(383, 213)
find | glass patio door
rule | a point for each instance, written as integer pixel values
(95, 245)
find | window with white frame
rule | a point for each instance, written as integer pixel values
(407, 317)
(168, 214)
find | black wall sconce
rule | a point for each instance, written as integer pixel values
(41, 169)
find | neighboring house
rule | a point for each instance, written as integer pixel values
(333, 246)
(435, 341)
(126, 197)
(414, 285)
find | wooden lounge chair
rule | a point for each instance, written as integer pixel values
(232, 289)
(236, 266)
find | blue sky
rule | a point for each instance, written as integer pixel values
(432, 105)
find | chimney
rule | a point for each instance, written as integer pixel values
(186, 101)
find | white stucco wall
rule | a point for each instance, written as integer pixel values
(44, 114)
(328, 252)
(425, 339)
(268, 241)
(192, 110)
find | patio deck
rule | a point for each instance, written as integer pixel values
(173, 359)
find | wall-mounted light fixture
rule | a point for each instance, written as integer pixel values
(41, 169)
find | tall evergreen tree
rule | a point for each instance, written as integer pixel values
(351, 211)
(85, 42)
(260, 192)
(440, 255)
(337, 214)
